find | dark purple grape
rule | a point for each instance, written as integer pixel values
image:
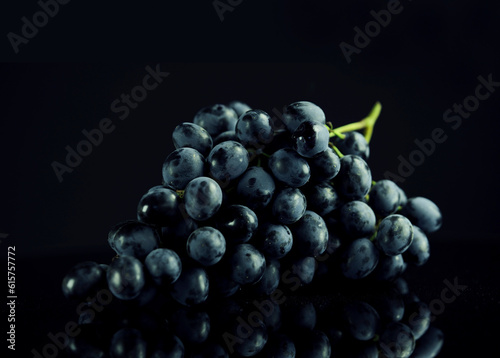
(270, 279)
(227, 161)
(384, 197)
(394, 235)
(192, 326)
(298, 112)
(359, 259)
(279, 346)
(248, 264)
(353, 143)
(322, 198)
(313, 344)
(225, 136)
(310, 138)
(358, 219)
(83, 280)
(203, 198)
(135, 239)
(206, 245)
(239, 107)
(182, 166)
(429, 345)
(354, 179)
(255, 188)
(254, 128)
(125, 277)
(128, 342)
(164, 266)
(289, 167)
(397, 341)
(361, 320)
(418, 318)
(289, 205)
(159, 206)
(216, 119)
(419, 251)
(304, 268)
(389, 267)
(237, 223)
(423, 213)
(325, 166)
(191, 288)
(275, 241)
(310, 235)
(192, 136)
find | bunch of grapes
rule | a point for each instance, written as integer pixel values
(249, 204)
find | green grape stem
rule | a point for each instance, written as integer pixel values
(367, 124)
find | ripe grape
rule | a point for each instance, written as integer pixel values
(256, 188)
(125, 277)
(384, 197)
(159, 206)
(310, 235)
(164, 266)
(298, 112)
(248, 264)
(289, 167)
(354, 179)
(82, 280)
(191, 288)
(216, 119)
(394, 235)
(135, 239)
(358, 219)
(254, 128)
(353, 143)
(419, 251)
(289, 205)
(310, 138)
(322, 198)
(275, 240)
(182, 166)
(423, 213)
(325, 166)
(397, 340)
(237, 223)
(203, 198)
(193, 136)
(206, 245)
(227, 161)
(359, 259)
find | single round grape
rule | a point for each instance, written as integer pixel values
(361, 320)
(125, 277)
(429, 345)
(270, 279)
(322, 198)
(216, 119)
(419, 251)
(354, 179)
(239, 107)
(298, 112)
(82, 280)
(248, 264)
(227, 161)
(353, 143)
(275, 240)
(182, 166)
(254, 342)
(310, 235)
(394, 234)
(418, 318)
(128, 342)
(237, 223)
(191, 326)
(206, 245)
(191, 288)
(389, 267)
(159, 206)
(310, 138)
(135, 239)
(254, 128)
(304, 268)
(358, 219)
(300, 317)
(192, 136)
(164, 266)
(202, 198)
(225, 136)
(359, 259)
(397, 340)
(289, 205)
(255, 188)
(384, 197)
(389, 305)
(289, 167)
(423, 213)
(325, 166)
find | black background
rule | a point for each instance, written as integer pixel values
(267, 54)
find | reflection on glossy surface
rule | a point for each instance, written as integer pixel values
(377, 320)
